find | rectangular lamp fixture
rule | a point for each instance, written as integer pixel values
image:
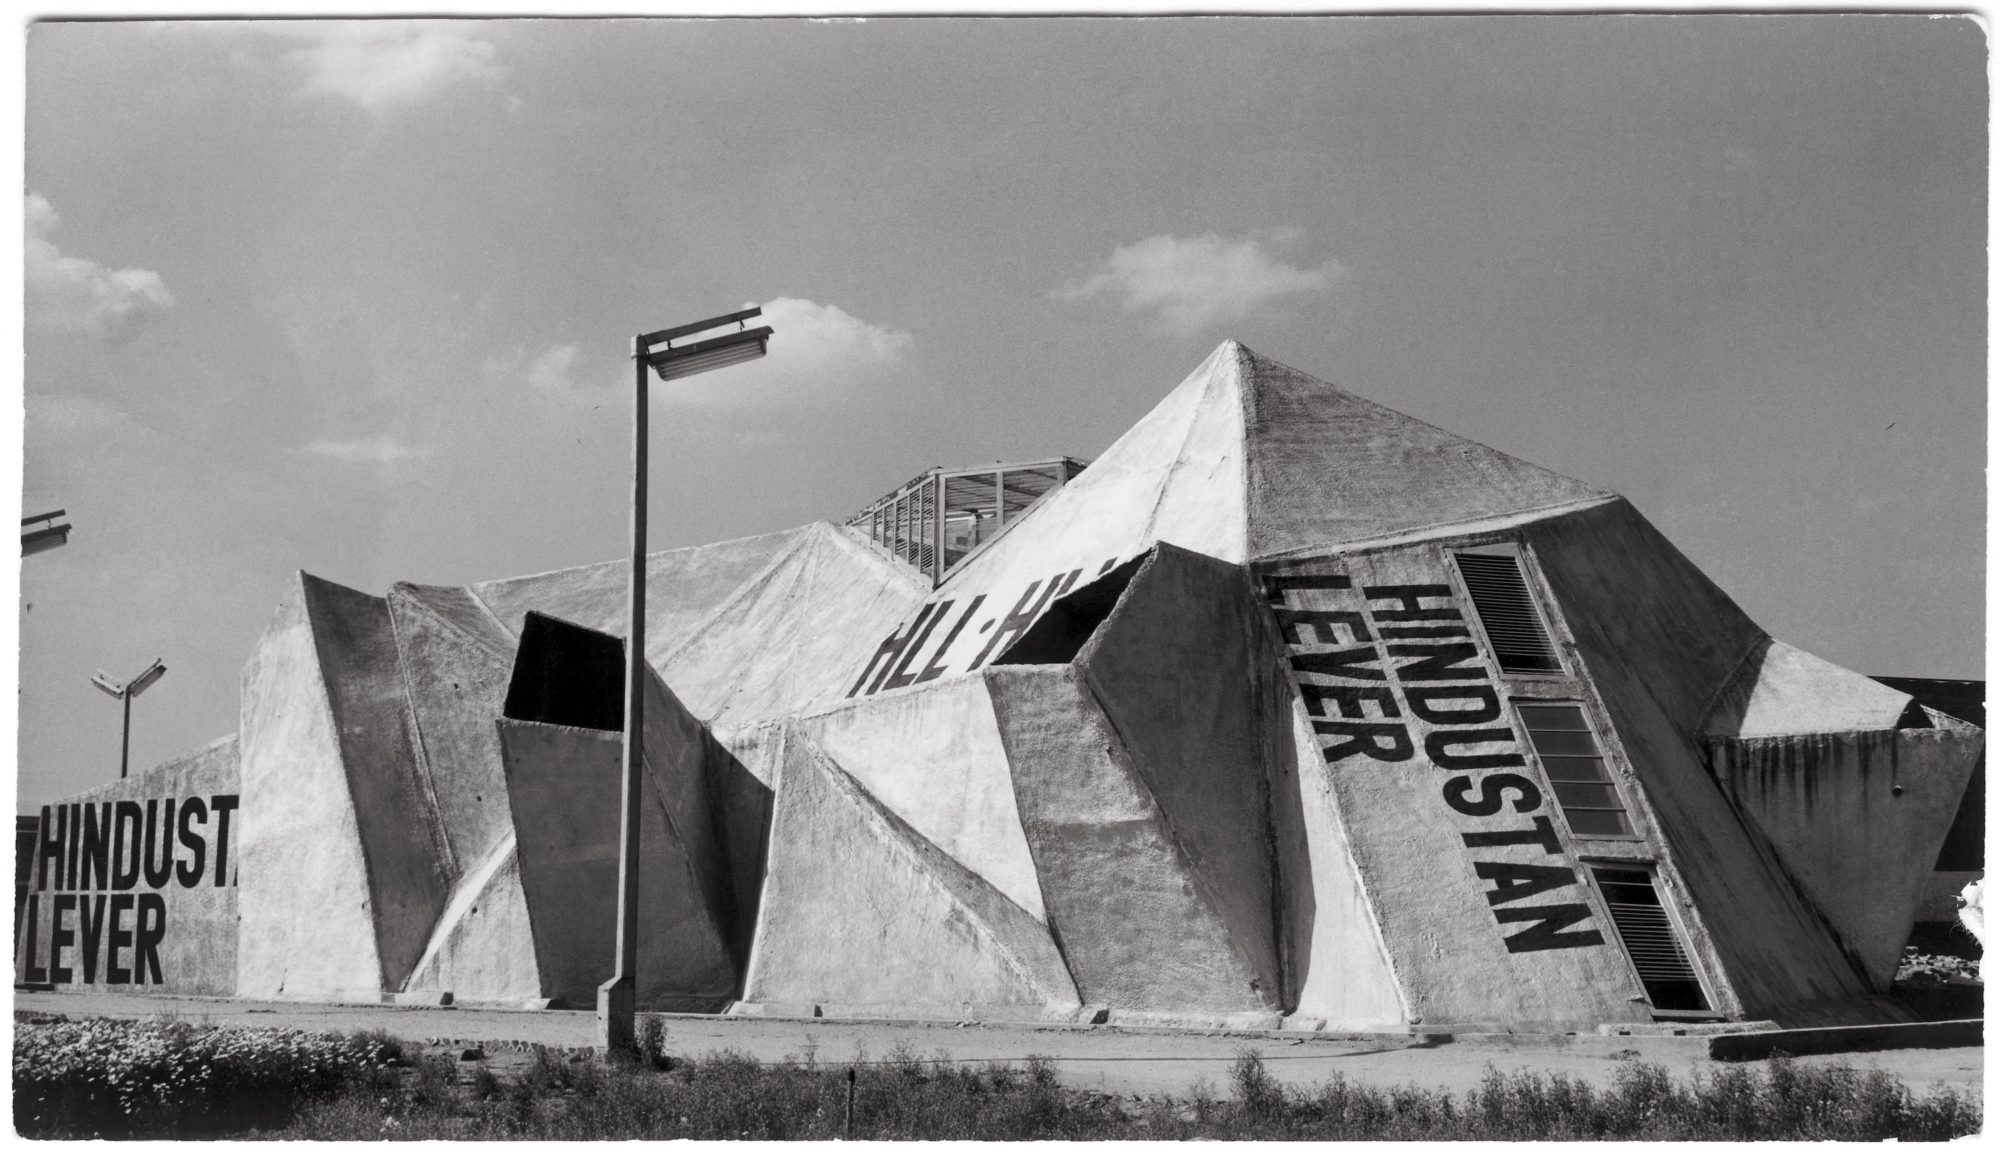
(716, 352)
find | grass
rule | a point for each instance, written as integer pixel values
(369, 1087)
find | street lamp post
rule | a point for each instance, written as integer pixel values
(126, 692)
(617, 997)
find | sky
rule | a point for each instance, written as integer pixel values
(356, 298)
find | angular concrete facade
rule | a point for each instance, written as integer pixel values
(1288, 709)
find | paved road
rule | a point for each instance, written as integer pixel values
(1118, 1060)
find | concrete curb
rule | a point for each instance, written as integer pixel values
(1798, 1042)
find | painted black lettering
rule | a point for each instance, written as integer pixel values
(1276, 586)
(1341, 664)
(120, 939)
(91, 909)
(50, 846)
(936, 666)
(161, 874)
(1438, 745)
(885, 656)
(124, 869)
(147, 936)
(1437, 662)
(222, 805)
(1320, 625)
(96, 857)
(1348, 700)
(1410, 599)
(194, 811)
(1542, 833)
(1513, 882)
(900, 674)
(32, 970)
(60, 938)
(1547, 931)
(1425, 704)
(1388, 742)
(1490, 798)
(74, 845)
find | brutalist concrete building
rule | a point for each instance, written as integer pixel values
(1287, 709)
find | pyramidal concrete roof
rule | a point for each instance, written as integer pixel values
(1246, 459)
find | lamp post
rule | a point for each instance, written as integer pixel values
(126, 692)
(617, 997)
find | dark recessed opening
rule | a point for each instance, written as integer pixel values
(1067, 625)
(568, 675)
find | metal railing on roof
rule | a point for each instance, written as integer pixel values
(935, 520)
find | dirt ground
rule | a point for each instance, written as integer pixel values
(1123, 1061)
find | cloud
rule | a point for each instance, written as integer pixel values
(1189, 283)
(820, 355)
(381, 64)
(383, 449)
(76, 295)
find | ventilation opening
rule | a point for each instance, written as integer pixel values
(1069, 622)
(1507, 611)
(567, 675)
(1650, 941)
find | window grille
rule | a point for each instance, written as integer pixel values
(1507, 611)
(1574, 764)
(1650, 940)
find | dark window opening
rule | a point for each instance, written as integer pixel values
(1069, 622)
(568, 675)
(1650, 940)
(1507, 611)
(1574, 764)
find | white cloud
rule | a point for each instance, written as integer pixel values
(76, 295)
(1189, 283)
(380, 64)
(383, 449)
(820, 355)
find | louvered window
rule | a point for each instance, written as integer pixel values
(1650, 940)
(1573, 761)
(1507, 611)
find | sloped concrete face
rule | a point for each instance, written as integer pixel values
(1325, 467)
(1857, 817)
(1097, 834)
(133, 885)
(775, 646)
(1659, 643)
(1473, 880)
(934, 760)
(308, 921)
(483, 948)
(564, 787)
(1186, 675)
(1781, 690)
(455, 660)
(861, 913)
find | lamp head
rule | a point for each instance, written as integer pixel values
(108, 685)
(147, 678)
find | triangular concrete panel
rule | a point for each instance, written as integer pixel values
(1782, 690)
(862, 911)
(934, 758)
(775, 646)
(455, 662)
(682, 586)
(483, 947)
(1122, 899)
(1327, 467)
